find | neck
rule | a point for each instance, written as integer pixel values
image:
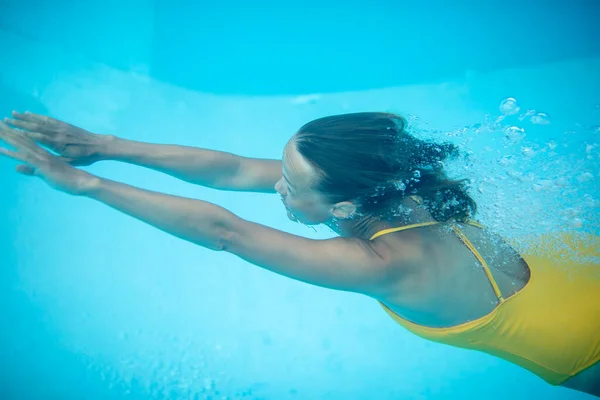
(360, 227)
(365, 226)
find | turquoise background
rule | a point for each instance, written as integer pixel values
(97, 305)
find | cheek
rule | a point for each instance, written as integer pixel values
(307, 211)
(296, 204)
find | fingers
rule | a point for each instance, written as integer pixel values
(31, 117)
(16, 139)
(21, 168)
(26, 150)
(6, 134)
(46, 139)
(33, 122)
(12, 154)
(32, 126)
(31, 131)
(38, 137)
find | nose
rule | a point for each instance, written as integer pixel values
(280, 187)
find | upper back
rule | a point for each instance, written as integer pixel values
(443, 283)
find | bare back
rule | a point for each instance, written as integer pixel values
(444, 284)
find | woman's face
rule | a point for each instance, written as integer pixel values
(303, 203)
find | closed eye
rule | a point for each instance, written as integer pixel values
(290, 190)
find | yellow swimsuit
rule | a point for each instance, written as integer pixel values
(551, 326)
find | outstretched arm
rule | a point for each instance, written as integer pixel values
(211, 168)
(340, 263)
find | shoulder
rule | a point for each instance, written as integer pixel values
(348, 264)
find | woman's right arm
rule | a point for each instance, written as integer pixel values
(211, 168)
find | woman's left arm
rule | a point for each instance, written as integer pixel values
(339, 263)
(196, 221)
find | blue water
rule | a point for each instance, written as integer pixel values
(97, 305)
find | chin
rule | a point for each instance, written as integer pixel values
(291, 216)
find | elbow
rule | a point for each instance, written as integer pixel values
(225, 236)
(228, 232)
(224, 240)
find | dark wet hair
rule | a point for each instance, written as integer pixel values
(371, 159)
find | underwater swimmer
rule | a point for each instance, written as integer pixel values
(406, 234)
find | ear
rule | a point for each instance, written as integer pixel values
(343, 210)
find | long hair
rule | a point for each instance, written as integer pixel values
(370, 159)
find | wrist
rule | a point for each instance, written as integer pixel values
(108, 146)
(91, 185)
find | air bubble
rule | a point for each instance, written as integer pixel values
(509, 106)
(540, 119)
(528, 177)
(589, 201)
(585, 177)
(543, 184)
(507, 161)
(399, 185)
(514, 133)
(528, 152)
(576, 223)
(563, 182)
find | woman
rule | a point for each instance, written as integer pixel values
(406, 234)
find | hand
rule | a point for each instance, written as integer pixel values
(39, 162)
(75, 145)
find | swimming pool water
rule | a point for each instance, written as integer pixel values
(97, 305)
